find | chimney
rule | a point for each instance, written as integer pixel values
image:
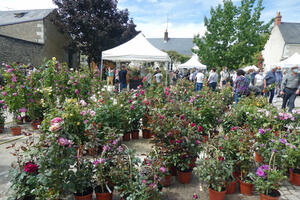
(277, 19)
(166, 38)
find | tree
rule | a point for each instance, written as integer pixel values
(95, 25)
(177, 57)
(234, 35)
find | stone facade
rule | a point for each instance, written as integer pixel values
(16, 50)
(34, 41)
(29, 31)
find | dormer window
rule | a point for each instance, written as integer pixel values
(20, 15)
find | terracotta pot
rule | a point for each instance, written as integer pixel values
(231, 187)
(103, 196)
(126, 137)
(135, 135)
(214, 195)
(205, 138)
(146, 133)
(166, 181)
(15, 130)
(266, 197)
(35, 125)
(276, 133)
(294, 178)
(173, 170)
(246, 188)
(86, 197)
(258, 158)
(184, 177)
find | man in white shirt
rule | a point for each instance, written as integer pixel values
(199, 80)
(259, 83)
(224, 77)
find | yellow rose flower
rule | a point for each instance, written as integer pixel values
(78, 123)
(53, 58)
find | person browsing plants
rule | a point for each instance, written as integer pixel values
(290, 88)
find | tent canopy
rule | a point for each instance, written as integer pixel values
(252, 67)
(193, 62)
(290, 62)
(136, 49)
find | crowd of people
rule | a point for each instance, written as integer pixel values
(274, 83)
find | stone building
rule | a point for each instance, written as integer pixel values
(29, 36)
(284, 41)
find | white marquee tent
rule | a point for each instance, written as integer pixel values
(193, 62)
(291, 61)
(252, 67)
(137, 49)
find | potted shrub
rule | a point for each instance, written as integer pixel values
(82, 179)
(215, 170)
(14, 94)
(267, 180)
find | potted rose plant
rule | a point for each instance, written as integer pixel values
(215, 169)
(267, 180)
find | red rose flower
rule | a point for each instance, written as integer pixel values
(30, 167)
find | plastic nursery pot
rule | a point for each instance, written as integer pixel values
(246, 188)
(184, 177)
(135, 135)
(126, 137)
(275, 195)
(295, 177)
(166, 181)
(214, 195)
(146, 133)
(231, 187)
(258, 158)
(15, 130)
(1, 129)
(35, 125)
(88, 195)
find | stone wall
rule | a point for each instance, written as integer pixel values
(29, 31)
(16, 50)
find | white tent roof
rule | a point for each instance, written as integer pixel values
(136, 49)
(253, 67)
(193, 63)
(291, 61)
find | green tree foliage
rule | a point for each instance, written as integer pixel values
(235, 34)
(177, 57)
(95, 25)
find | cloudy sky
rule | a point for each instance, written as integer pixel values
(185, 16)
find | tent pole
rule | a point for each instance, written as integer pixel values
(101, 69)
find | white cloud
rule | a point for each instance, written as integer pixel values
(25, 4)
(155, 30)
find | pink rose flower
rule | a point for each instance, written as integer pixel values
(30, 167)
(56, 120)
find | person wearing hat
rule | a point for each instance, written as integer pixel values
(290, 88)
(270, 79)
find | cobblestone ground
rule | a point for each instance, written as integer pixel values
(176, 191)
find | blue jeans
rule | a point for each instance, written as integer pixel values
(213, 86)
(122, 86)
(271, 94)
(199, 86)
(236, 98)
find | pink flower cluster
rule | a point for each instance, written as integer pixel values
(30, 167)
(100, 161)
(286, 116)
(56, 124)
(64, 142)
(261, 171)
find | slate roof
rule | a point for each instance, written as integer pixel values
(21, 16)
(290, 32)
(181, 45)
